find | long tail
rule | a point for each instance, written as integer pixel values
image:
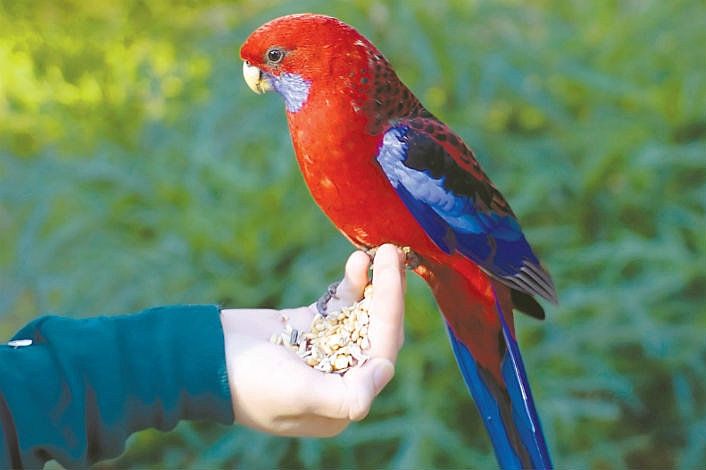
(478, 314)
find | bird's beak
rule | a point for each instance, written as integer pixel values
(254, 78)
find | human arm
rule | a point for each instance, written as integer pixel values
(83, 386)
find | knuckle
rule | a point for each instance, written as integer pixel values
(386, 254)
(359, 409)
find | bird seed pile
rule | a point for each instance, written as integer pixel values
(335, 342)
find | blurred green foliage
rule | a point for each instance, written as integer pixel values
(136, 169)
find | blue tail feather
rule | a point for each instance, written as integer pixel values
(507, 410)
(515, 375)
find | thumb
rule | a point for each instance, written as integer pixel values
(363, 384)
(383, 371)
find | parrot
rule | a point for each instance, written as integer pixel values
(386, 170)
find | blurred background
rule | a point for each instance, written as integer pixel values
(137, 169)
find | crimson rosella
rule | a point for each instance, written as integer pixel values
(385, 170)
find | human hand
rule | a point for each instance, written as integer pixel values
(273, 390)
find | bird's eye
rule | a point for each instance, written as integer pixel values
(275, 56)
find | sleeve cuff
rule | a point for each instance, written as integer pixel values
(175, 361)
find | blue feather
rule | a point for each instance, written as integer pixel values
(445, 199)
(495, 242)
(292, 87)
(487, 405)
(515, 375)
(490, 400)
(440, 211)
(434, 225)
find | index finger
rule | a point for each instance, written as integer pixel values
(387, 309)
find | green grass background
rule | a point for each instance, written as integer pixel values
(136, 169)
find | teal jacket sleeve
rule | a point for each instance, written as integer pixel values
(83, 386)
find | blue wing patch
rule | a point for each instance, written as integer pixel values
(440, 194)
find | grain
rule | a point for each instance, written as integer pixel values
(334, 343)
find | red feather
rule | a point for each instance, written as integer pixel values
(354, 98)
(336, 137)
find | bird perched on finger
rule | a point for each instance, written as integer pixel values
(385, 170)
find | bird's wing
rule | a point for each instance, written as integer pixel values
(441, 183)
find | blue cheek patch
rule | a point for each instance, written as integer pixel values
(293, 88)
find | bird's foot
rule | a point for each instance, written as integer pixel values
(411, 262)
(412, 259)
(371, 252)
(322, 303)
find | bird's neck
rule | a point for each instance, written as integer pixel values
(331, 136)
(347, 112)
(338, 132)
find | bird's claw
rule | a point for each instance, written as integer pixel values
(411, 262)
(322, 303)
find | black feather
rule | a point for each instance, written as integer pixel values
(525, 303)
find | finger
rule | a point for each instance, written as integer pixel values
(364, 383)
(350, 290)
(348, 397)
(387, 309)
(310, 425)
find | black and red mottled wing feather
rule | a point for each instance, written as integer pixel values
(443, 186)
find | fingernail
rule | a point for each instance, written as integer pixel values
(384, 371)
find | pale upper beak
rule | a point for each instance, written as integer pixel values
(255, 79)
